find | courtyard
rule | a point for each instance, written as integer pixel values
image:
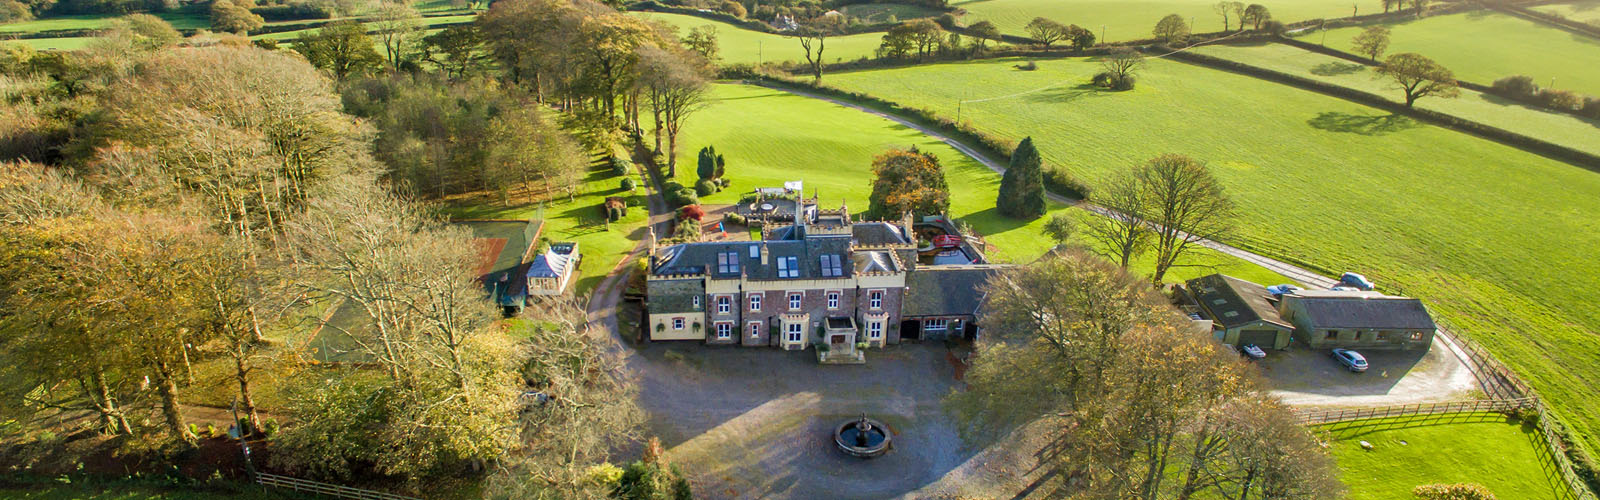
(757, 423)
(1308, 378)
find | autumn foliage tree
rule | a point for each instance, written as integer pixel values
(907, 181)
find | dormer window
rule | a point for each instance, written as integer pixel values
(755, 251)
(831, 268)
(728, 263)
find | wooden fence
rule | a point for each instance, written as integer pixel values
(332, 490)
(1345, 415)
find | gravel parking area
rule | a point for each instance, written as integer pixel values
(1308, 378)
(757, 423)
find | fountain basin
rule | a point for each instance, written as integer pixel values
(863, 438)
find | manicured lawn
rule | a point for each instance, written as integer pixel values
(770, 136)
(742, 46)
(1560, 128)
(1484, 46)
(1507, 458)
(190, 18)
(1498, 241)
(1587, 11)
(579, 220)
(1134, 19)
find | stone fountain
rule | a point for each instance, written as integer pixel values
(863, 438)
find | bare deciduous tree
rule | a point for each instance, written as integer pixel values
(1186, 204)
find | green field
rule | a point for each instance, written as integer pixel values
(1133, 19)
(1560, 128)
(882, 12)
(830, 148)
(1500, 242)
(1483, 46)
(739, 45)
(1584, 11)
(72, 43)
(1505, 457)
(114, 491)
(191, 18)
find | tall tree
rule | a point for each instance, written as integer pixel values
(1046, 31)
(1418, 6)
(1371, 42)
(457, 50)
(703, 40)
(813, 35)
(675, 85)
(1081, 38)
(1120, 231)
(1224, 9)
(398, 26)
(1022, 186)
(1186, 205)
(907, 181)
(341, 48)
(1419, 77)
(983, 32)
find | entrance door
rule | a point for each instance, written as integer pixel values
(910, 330)
(838, 339)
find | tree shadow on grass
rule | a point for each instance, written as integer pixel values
(1370, 125)
(1068, 94)
(1337, 68)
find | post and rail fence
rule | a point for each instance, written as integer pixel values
(1472, 406)
(333, 490)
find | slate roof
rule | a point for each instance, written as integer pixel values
(1367, 312)
(944, 292)
(874, 262)
(674, 296)
(874, 234)
(701, 258)
(1233, 302)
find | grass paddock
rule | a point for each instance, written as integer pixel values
(1503, 455)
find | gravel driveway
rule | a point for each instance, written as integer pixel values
(1308, 378)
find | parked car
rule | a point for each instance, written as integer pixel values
(1279, 290)
(1252, 352)
(1351, 360)
(1357, 281)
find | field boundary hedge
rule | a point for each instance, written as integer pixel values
(1553, 20)
(1537, 146)
(265, 30)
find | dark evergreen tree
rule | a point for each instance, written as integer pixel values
(1022, 186)
(711, 164)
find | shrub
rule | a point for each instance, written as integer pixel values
(693, 212)
(947, 20)
(1591, 107)
(1110, 81)
(621, 165)
(269, 427)
(733, 218)
(682, 196)
(1461, 491)
(1274, 27)
(734, 9)
(628, 184)
(1027, 66)
(1519, 87)
(723, 182)
(705, 187)
(1059, 180)
(1563, 100)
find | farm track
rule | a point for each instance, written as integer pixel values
(1297, 273)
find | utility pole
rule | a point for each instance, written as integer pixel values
(1103, 34)
(1324, 28)
(758, 53)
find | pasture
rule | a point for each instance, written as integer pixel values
(770, 136)
(1503, 456)
(1584, 11)
(1483, 46)
(887, 12)
(742, 46)
(1119, 20)
(1559, 128)
(188, 18)
(1498, 241)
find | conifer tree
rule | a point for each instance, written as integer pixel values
(1022, 186)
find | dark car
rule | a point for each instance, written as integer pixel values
(1351, 360)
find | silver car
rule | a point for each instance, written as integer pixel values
(1351, 360)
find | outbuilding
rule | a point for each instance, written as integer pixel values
(1325, 319)
(1241, 312)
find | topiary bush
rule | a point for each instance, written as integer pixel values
(628, 184)
(621, 165)
(733, 218)
(705, 187)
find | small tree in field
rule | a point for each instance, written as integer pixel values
(1080, 37)
(1419, 77)
(1046, 31)
(982, 32)
(1118, 67)
(1372, 42)
(1172, 29)
(1256, 15)
(1022, 186)
(1461, 491)
(1061, 228)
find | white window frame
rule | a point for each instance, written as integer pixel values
(797, 300)
(755, 302)
(795, 332)
(724, 330)
(696, 301)
(833, 299)
(936, 324)
(755, 329)
(875, 299)
(677, 323)
(874, 330)
(724, 304)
